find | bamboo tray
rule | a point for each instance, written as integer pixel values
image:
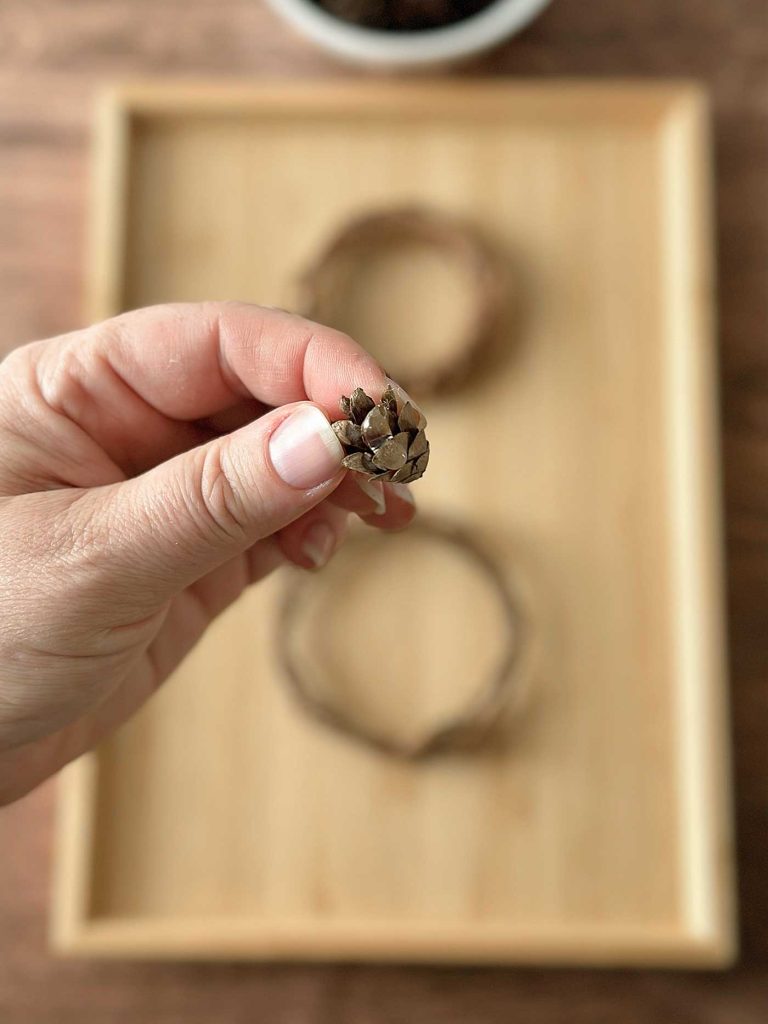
(220, 823)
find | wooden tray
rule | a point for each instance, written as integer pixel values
(221, 823)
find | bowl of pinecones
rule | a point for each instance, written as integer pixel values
(408, 33)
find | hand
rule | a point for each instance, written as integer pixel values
(152, 467)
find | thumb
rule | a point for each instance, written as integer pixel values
(183, 518)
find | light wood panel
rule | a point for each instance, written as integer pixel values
(219, 822)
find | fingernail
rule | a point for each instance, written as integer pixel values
(318, 544)
(304, 450)
(376, 493)
(403, 492)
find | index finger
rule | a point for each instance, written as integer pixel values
(138, 384)
(191, 360)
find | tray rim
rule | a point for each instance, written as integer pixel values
(707, 935)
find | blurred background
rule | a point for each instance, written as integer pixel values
(54, 56)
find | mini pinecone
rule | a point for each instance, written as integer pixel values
(384, 441)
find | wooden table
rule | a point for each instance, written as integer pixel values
(53, 55)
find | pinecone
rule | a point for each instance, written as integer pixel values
(384, 441)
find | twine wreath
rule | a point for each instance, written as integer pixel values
(322, 288)
(462, 731)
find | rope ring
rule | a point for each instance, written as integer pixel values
(321, 292)
(462, 731)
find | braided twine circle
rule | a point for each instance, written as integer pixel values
(462, 731)
(322, 288)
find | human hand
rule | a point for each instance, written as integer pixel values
(152, 467)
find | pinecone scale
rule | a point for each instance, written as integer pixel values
(385, 441)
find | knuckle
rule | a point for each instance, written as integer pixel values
(67, 366)
(220, 490)
(60, 374)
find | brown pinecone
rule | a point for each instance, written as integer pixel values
(384, 441)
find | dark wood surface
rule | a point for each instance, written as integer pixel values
(53, 55)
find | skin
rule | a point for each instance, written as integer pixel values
(138, 500)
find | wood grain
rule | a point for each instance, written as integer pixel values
(54, 54)
(287, 841)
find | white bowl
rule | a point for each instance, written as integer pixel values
(419, 48)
